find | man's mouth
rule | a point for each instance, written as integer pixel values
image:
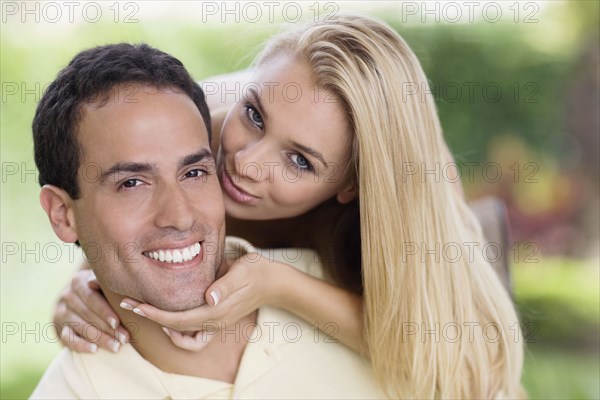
(174, 256)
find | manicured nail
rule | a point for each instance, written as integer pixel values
(93, 347)
(122, 337)
(166, 331)
(113, 322)
(139, 312)
(65, 332)
(215, 297)
(114, 345)
(126, 306)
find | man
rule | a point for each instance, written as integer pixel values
(122, 146)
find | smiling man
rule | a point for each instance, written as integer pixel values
(122, 146)
(127, 171)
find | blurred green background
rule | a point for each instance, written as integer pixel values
(517, 91)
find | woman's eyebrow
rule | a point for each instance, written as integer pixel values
(311, 151)
(256, 98)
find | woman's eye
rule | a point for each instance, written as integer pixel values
(195, 173)
(254, 116)
(129, 183)
(300, 161)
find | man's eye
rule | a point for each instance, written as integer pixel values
(129, 183)
(195, 173)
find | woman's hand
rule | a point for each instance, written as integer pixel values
(240, 290)
(84, 319)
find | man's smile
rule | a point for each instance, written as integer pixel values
(175, 255)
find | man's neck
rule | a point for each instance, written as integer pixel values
(219, 359)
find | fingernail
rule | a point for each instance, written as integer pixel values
(215, 297)
(93, 347)
(122, 337)
(126, 306)
(113, 322)
(114, 345)
(139, 312)
(166, 331)
(65, 332)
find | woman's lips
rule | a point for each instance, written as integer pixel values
(234, 191)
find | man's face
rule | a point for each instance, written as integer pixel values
(150, 218)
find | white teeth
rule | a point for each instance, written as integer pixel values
(175, 255)
(187, 256)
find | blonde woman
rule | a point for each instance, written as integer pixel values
(433, 326)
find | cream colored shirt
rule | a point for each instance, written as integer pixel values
(285, 358)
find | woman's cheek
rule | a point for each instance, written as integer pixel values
(232, 136)
(293, 193)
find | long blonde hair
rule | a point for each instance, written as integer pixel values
(428, 316)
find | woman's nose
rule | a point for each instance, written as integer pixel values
(255, 162)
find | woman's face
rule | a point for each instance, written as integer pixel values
(285, 146)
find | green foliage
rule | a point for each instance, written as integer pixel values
(506, 87)
(551, 373)
(558, 301)
(559, 304)
(22, 386)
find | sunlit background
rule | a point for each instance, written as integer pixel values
(517, 86)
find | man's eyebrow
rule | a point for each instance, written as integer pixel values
(124, 167)
(256, 97)
(134, 167)
(311, 151)
(202, 155)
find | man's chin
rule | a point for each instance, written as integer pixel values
(178, 304)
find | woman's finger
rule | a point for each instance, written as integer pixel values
(229, 283)
(78, 306)
(95, 302)
(79, 335)
(92, 281)
(188, 320)
(129, 304)
(195, 342)
(74, 342)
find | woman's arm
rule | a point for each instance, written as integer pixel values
(249, 284)
(336, 311)
(83, 318)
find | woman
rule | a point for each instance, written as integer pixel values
(367, 136)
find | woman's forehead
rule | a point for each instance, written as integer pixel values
(298, 110)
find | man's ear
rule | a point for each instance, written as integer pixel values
(59, 207)
(347, 194)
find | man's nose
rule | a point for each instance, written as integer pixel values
(255, 162)
(174, 209)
